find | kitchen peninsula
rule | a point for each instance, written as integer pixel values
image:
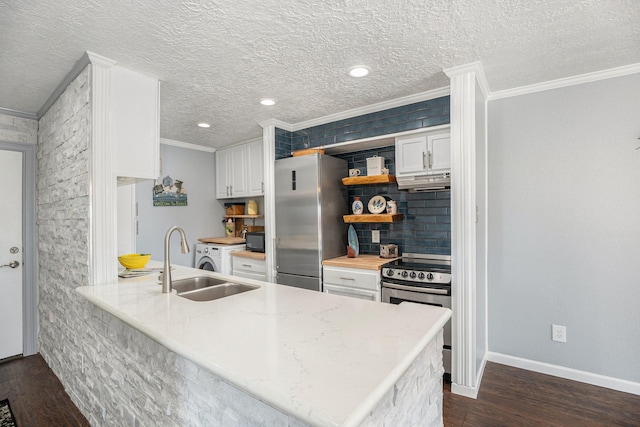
(278, 355)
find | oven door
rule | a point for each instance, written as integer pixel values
(396, 296)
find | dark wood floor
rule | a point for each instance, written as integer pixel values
(516, 397)
(35, 394)
(508, 397)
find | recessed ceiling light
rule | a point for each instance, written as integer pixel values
(268, 101)
(359, 71)
(204, 125)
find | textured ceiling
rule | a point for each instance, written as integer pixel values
(216, 59)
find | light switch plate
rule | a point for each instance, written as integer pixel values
(375, 236)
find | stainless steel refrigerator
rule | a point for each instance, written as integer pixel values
(310, 201)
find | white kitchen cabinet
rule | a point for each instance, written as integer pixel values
(134, 124)
(240, 171)
(255, 172)
(423, 154)
(352, 282)
(249, 268)
(231, 172)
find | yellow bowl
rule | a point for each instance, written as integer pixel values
(133, 261)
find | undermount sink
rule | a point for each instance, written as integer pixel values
(205, 288)
(194, 283)
(217, 291)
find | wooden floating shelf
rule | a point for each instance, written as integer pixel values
(373, 179)
(372, 218)
(244, 216)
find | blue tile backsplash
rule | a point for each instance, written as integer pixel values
(407, 117)
(426, 227)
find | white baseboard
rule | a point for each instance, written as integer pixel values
(467, 391)
(567, 373)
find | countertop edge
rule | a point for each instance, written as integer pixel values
(249, 255)
(362, 262)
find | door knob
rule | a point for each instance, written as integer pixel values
(12, 264)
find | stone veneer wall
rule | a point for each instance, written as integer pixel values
(18, 130)
(416, 399)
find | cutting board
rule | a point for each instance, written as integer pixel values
(222, 240)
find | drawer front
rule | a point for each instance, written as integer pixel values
(249, 265)
(248, 275)
(352, 277)
(352, 292)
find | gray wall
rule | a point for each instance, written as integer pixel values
(201, 218)
(18, 129)
(564, 226)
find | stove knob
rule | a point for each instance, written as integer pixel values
(390, 272)
(421, 276)
(405, 274)
(430, 276)
(413, 275)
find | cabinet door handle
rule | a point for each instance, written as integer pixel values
(231, 190)
(262, 187)
(424, 160)
(429, 153)
(247, 265)
(347, 278)
(227, 190)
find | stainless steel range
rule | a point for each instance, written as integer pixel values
(423, 279)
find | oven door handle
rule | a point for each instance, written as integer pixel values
(415, 289)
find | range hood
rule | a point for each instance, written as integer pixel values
(421, 183)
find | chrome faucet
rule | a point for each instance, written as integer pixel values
(166, 273)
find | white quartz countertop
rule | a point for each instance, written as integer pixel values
(325, 359)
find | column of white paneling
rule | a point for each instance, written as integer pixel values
(269, 154)
(463, 228)
(102, 186)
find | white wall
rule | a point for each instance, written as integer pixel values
(564, 226)
(201, 218)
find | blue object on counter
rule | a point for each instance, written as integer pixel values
(353, 239)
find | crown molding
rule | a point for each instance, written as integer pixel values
(20, 114)
(277, 123)
(472, 67)
(186, 145)
(373, 108)
(567, 81)
(86, 59)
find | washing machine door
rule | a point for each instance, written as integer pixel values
(206, 263)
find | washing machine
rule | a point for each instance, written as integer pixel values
(213, 257)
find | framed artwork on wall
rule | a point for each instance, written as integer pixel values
(169, 193)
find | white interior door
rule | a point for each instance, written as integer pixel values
(11, 286)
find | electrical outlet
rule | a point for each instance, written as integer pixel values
(559, 333)
(375, 236)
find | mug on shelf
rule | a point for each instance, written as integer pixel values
(354, 172)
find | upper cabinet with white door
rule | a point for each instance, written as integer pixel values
(423, 153)
(231, 172)
(240, 171)
(134, 127)
(255, 172)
